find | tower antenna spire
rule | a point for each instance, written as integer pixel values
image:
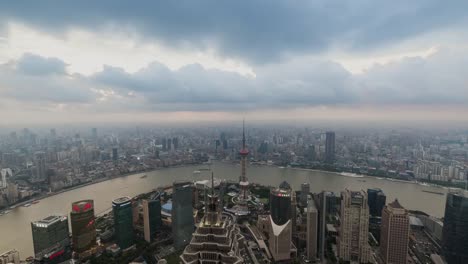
(243, 133)
(212, 183)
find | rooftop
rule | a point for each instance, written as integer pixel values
(121, 200)
(49, 220)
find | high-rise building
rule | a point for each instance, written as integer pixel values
(40, 174)
(455, 230)
(152, 216)
(175, 142)
(115, 154)
(312, 230)
(164, 144)
(376, 201)
(217, 238)
(10, 257)
(123, 222)
(280, 235)
(94, 134)
(83, 226)
(293, 213)
(169, 141)
(354, 227)
(305, 191)
(394, 234)
(182, 213)
(243, 182)
(280, 204)
(330, 147)
(51, 238)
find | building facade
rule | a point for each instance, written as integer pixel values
(354, 227)
(305, 190)
(281, 227)
(376, 200)
(394, 234)
(83, 226)
(152, 216)
(123, 222)
(182, 213)
(455, 229)
(330, 147)
(51, 238)
(312, 231)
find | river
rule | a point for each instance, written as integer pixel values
(15, 227)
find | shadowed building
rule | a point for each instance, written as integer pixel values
(152, 216)
(330, 147)
(455, 230)
(182, 213)
(123, 222)
(394, 234)
(376, 200)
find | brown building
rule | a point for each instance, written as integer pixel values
(83, 226)
(394, 234)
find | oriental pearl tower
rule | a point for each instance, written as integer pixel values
(243, 182)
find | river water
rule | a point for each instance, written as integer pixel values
(15, 227)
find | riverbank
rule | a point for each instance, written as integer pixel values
(50, 194)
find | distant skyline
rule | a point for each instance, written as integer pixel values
(185, 61)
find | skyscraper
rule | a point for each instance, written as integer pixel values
(455, 230)
(175, 142)
(305, 190)
(376, 201)
(182, 213)
(164, 144)
(330, 147)
(280, 204)
(169, 141)
(123, 222)
(223, 235)
(115, 154)
(83, 226)
(51, 237)
(354, 227)
(280, 234)
(312, 231)
(394, 234)
(40, 174)
(243, 182)
(152, 216)
(94, 134)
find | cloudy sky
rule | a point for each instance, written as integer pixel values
(150, 61)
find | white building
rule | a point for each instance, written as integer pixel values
(353, 239)
(9, 257)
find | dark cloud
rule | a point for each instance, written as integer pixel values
(258, 31)
(36, 65)
(37, 79)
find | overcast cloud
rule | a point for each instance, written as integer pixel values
(286, 55)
